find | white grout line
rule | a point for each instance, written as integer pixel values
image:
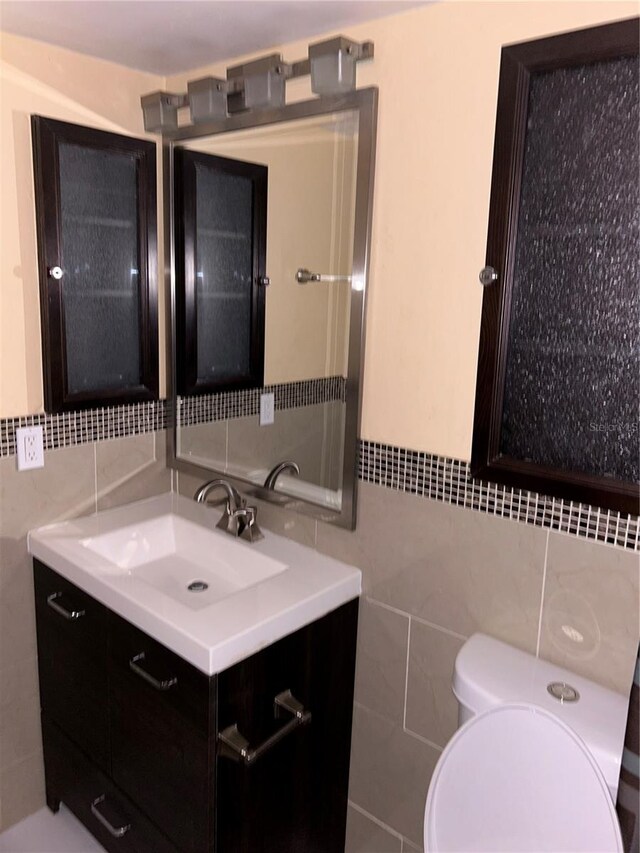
(374, 819)
(417, 618)
(422, 739)
(95, 476)
(406, 676)
(544, 582)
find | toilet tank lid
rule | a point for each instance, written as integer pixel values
(489, 672)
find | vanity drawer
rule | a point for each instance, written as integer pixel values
(157, 676)
(72, 779)
(72, 661)
(160, 750)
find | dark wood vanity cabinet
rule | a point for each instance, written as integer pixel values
(131, 733)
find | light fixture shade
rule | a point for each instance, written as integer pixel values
(262, 83)
(333, 66)
(160, 111)
(207, 99)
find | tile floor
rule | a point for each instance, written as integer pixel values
(44, 832)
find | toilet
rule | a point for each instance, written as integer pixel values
(534, 764)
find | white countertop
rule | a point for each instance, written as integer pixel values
(212, 636)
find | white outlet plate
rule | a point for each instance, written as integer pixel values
(267, 409)
(30, 448)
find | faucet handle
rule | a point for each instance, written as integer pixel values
(250, 530)
(233, 515)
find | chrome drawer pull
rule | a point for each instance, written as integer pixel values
(236, 746)
(68, 614)
(116, 831)
(154, 682)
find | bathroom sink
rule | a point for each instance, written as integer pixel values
(185, 561)
(163, 565)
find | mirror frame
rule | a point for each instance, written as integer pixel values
(365, 103)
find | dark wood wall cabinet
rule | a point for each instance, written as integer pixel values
(136, 740)
(221, 226)
(558, 385)
(96, 222)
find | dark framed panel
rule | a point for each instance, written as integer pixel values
(558, 383)
(97, 248)
(221, 227)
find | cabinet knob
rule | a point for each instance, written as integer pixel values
(488, 275)
(55, 272)
(264, 280)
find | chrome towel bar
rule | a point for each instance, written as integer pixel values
(235, 746)
(304, 276)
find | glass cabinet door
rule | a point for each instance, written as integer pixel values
(220, 248)
(558, 388)
(96, 203)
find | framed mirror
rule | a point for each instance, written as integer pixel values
(280, 285)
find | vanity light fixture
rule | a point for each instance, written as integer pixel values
(257, 85)
(333, 64)
(207, 98)
(160, 110)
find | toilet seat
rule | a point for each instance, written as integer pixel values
(516, 778)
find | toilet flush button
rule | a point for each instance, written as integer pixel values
(562, 691)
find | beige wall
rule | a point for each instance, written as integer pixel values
(437, 69)
(38, 78)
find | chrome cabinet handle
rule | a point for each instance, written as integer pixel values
(55, 272)
(116, 831)
(68, 614)
(134, 666)
(236, 746)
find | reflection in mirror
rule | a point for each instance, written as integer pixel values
(311, 170)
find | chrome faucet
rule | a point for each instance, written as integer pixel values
(272, 476)
(238, 519)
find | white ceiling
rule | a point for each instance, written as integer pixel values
(169, 36)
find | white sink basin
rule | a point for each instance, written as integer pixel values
(185, 561)
(140, 559)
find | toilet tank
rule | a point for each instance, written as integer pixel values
(488, 672)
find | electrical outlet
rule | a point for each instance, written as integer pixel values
(267, 408)
(29, 445)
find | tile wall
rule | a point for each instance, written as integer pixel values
(433, 574)
(76, 480)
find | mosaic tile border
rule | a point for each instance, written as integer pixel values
(71, 428)
(424, 474)
(449, 481)
(205, 408)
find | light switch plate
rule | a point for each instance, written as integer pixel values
(267, 409)
(30, 448)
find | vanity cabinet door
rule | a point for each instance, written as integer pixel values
(72, 662)
(160, 708)
(293, 798)
(221, 223)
